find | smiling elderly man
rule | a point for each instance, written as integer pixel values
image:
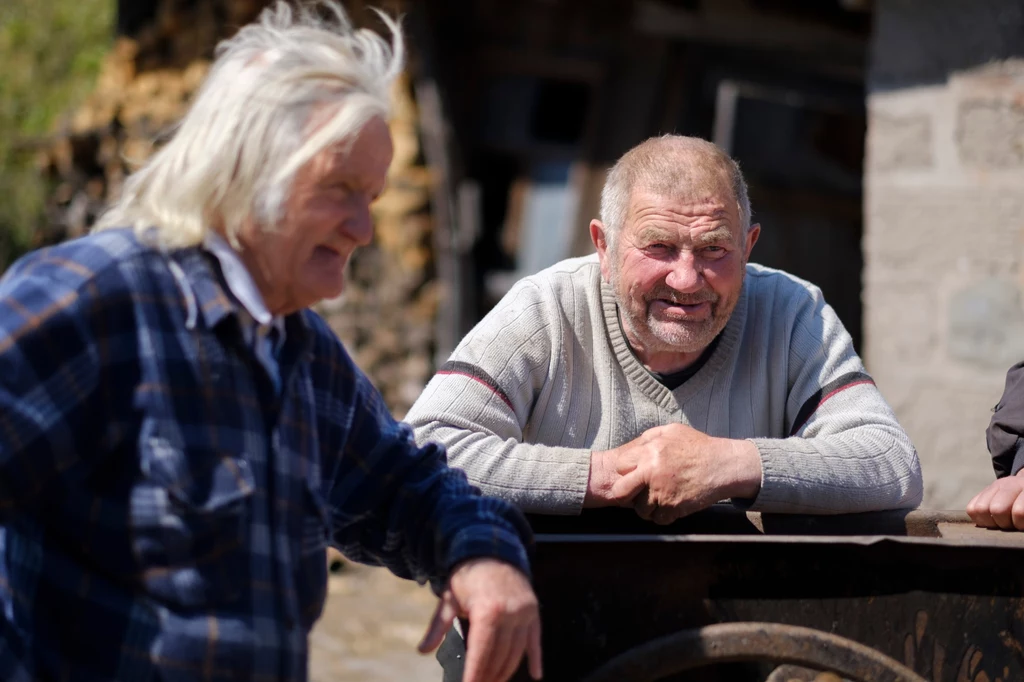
(666, 372)
(180, 437)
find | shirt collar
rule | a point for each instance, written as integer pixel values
(238, 279)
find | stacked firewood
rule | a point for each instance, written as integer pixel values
(386, 316)
(147, 82)
(114, 130)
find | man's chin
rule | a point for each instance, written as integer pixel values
(336, 293)
(684, 337)
(323, 292)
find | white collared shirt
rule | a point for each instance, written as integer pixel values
(256, 320)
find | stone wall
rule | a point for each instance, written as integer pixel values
(944, 228)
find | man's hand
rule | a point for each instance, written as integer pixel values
(674, 470)
(504, 621)
(605, 487)
(1000, 504)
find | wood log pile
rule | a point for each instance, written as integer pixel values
(112, 132)
(386, 316)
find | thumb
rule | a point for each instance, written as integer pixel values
(627, 487)
(444, 616)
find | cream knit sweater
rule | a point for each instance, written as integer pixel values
(547, 377)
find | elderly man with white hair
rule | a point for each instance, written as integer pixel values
(666, 372)
(181, 437)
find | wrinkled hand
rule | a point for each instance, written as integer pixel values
(1000, 504)
(605, 487)
(674, 470)
(503, 616)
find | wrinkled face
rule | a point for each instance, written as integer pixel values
(301, 260)
(677, 269)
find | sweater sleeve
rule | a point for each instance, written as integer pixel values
(845, 452)
(479, 403)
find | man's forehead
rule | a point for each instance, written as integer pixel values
(713, 203)
(356, 155)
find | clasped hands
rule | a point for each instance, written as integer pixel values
(671, 471)
(668, 472)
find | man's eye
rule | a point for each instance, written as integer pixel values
(658, 247)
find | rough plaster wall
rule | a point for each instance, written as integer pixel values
(944, 255)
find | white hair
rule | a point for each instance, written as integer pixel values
(668, 165)
(279, 92)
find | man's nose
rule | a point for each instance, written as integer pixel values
(358, 226)
(684, 276)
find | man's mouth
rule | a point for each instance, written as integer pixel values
(663, 307)
(326, 251)
(327, 256)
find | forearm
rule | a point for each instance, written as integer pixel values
(740, 469)
(536, 478)
(473, 526)
(869, 468)
(429, 520)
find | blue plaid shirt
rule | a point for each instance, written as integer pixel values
(164, 512)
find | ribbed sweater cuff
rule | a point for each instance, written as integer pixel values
(774, 477)
(563, 487)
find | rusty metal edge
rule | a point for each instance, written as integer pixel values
(752, 641)
(999, 540)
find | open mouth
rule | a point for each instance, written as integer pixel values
(675, 309)
(327, 254)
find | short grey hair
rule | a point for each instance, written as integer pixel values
(282, 90)
(668, 165)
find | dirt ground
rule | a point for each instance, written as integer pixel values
(369, 630)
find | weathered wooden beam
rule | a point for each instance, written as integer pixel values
(748, 29)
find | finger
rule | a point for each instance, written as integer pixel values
(972, 506)
(981, 515)
(534, 650)
(517, 647)
(1001, 506)
(665, 515)
(440, 623)
(1018, 512)
(626, 462)
(480, 650)
(644, 506)
(504, 657)
(626, 488)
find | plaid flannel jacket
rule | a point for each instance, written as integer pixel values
(164, 512)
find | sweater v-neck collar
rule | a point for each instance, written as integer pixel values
(638, 374)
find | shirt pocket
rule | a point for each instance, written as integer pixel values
(191, 513)
(311, 583)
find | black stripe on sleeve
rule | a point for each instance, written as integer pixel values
(824, 393)
(473, 372)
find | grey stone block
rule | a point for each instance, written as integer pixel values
(900, 322)
(922, 233)
(990, 134)
(986, 324)
(946, 421)
(896, 142)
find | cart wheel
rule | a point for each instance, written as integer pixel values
(744, 642)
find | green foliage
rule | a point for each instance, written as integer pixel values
(50, 53)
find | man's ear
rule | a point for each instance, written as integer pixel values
(752, 234)
(600, 239)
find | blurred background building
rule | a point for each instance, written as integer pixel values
(883, 141)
